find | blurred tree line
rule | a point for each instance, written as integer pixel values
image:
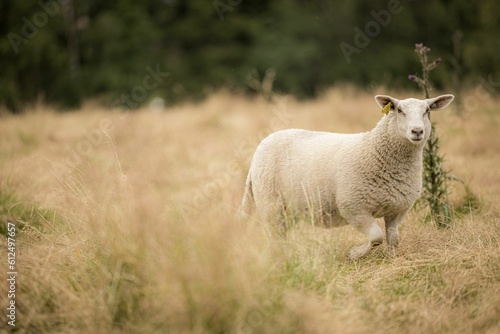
(125, 52)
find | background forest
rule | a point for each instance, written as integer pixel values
(65, 51)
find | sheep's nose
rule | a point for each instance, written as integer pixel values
(417, 131)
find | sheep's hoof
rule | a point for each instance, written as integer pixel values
(360, 251)
(392, 251)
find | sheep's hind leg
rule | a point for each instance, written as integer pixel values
(368, 226)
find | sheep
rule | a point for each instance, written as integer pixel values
(338, 179)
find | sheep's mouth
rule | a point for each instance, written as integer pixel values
(416, 139)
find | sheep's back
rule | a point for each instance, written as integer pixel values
(298, 167)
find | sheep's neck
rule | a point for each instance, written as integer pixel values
(392, 149)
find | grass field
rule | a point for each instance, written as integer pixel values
(126, 223)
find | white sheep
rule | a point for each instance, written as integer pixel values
(337, 179)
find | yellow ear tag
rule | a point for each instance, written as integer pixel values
(386, 109)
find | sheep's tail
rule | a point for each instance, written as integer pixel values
(248, 200)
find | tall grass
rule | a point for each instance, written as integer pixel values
(146, 242)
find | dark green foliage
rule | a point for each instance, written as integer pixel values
(63, 53)
(435, 187)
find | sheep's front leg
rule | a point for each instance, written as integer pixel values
(367, 225)
(391, 229)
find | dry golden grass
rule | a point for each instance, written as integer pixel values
(139, 234)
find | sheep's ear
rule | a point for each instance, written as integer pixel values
(440, 102)
(383, 100)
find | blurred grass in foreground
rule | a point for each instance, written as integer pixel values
(142, 236)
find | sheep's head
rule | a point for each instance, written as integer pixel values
(412, 115)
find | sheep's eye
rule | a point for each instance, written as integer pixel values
(400, 111)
